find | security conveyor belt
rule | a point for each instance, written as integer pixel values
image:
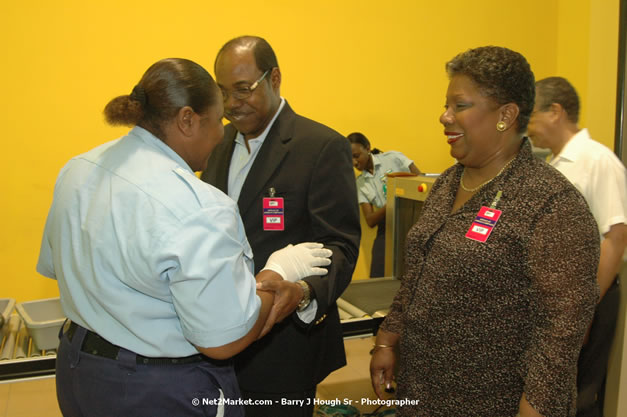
(362, 308)
(19, 357)
(365, 303)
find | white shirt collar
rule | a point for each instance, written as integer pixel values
(152, 140)
(375, 163)
(239, 138)
(574, 147)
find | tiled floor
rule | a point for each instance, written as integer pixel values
(352, 382)
(37, 398)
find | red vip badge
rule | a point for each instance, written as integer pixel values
(273, 214)
(483, 224)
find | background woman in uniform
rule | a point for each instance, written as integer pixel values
(152, 264)
(371, 189)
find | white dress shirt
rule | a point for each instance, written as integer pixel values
(600, 177)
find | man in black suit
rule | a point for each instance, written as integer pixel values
(293, 181)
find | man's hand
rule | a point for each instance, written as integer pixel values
(287, 295)
(295, 262)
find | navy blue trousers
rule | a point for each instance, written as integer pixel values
(94, 386)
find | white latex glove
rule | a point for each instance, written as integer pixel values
(295, 262)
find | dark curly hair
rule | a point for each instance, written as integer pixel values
(501, 74)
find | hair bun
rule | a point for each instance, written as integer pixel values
(138, 94)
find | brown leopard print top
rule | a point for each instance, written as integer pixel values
(481, 323)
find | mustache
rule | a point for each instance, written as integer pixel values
(235, 113)
(234, 117)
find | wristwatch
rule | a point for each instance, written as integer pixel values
(304, 303)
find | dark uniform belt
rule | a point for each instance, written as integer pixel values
(96, 345)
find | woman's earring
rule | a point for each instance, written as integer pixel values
(501, 126)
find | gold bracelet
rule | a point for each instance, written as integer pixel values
(384, 346)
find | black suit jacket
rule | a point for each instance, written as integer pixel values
(310, 166)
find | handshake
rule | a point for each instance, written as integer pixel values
(295, 262)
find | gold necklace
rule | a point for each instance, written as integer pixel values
(472, 190)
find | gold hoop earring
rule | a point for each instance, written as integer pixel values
(501, 126)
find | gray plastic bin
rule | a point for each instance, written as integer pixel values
(6, 307)
(43, 319)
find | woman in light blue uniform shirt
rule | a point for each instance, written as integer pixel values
(371, 189)
(153, 264)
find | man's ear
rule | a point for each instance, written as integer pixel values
(557, 112)
(185, 120)
(275, 78)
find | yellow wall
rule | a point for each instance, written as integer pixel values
(602, 71)
(352, 64)
(587, 55)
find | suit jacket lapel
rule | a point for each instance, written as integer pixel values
(272, 152)
(217, 172)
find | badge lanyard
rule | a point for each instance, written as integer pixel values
(273, 212)
(485, 221)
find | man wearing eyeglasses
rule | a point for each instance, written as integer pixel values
(293, 181)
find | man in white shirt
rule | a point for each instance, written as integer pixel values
(602, 179)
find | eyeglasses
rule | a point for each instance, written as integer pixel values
(244, 92)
